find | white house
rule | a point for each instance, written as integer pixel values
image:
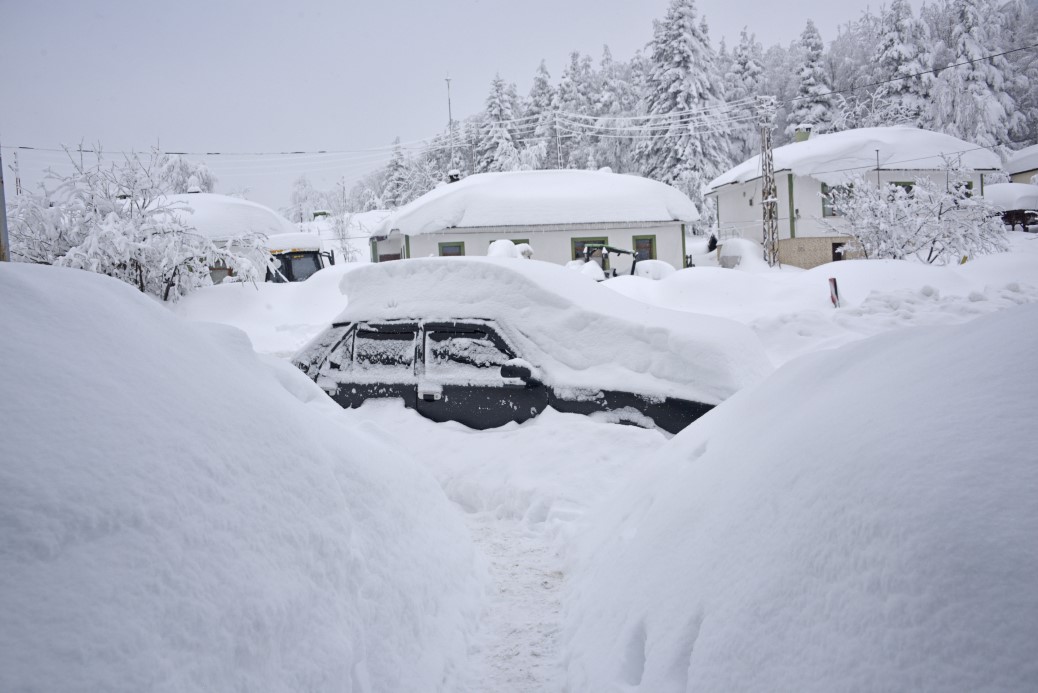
(556, 212)
(1022, 166)
(809, 231)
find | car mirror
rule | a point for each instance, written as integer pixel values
(515, 370)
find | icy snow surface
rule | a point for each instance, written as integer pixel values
(579, 333)
(865, 519)
(835, 157)
(541, 197)
(177, 514)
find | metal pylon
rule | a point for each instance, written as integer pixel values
(766, 107)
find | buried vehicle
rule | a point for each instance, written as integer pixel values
(486, 341)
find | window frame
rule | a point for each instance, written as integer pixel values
(651, 237)
(443, 244)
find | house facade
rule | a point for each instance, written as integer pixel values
(557, 213)
(811, 233)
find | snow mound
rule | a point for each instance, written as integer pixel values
(578, 333)
(1011, 196)
(541, 197)
(828, 157)
(177, 515)
(220, 217)
(875, 532)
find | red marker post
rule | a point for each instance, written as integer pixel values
(834, 293)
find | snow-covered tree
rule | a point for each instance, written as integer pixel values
(970, 97)
(813, 103)
(743, 81)
(690, 146)
(116, 219)
(304, 201)
(495, 148)
(185, 176)
(901, 56)
(937, 222)
(394, 193)
(540, 109)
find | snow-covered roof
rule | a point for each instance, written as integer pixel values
(220, 217)
(1024, 160)
(1010, 196)
(284, 242)
(579, 333)
(522, 198)
(834, 158)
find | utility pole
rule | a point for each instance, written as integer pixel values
(450, 122)
(877, 171)
(5, 243)
(17, 176)
(766, 108)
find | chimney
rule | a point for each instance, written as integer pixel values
(803, 132)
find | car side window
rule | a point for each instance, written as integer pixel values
(384, 351)
(463, 354)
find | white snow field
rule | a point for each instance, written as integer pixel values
(179, 514)
(861, 519)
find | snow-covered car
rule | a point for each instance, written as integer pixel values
(485, 341)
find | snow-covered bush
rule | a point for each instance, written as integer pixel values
(114, 219)
(936, 222)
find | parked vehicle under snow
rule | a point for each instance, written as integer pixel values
(485, 341)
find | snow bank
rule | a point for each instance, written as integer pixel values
(219, 217)
(279, 318)
(541, 197)
(178, 515)
(875, 532)
(1010, 196)
(578, 333)
(827, 157)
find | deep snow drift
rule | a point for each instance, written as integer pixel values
(875, 531)
(178, 514)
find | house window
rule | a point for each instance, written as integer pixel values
(452, 249)
(515, 241)
(828, 192)
(908, 186)
(644, 247)
(965, 189)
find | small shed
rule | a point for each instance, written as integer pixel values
(557, 212)
(806, 171)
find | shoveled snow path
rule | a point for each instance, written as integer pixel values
(523, 491)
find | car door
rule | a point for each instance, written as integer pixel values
(382, 364)
(460, 377)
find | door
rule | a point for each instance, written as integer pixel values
(461, 377)
(382, 364)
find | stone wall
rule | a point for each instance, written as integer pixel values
(810, 252)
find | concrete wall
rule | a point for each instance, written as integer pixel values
(811, 251)
(554, 244)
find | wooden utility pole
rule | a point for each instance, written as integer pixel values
(766, 108)
(5, 243)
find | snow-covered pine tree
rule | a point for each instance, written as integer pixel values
(615, 96)
(540, 109)
(813, 103)
(743, 81)
(1021, 22)
(970, 98)
(901, 55)
(305, 199)
(394, 193)
(689, 149)
(495, 149)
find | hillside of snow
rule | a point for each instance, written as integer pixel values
(865, 519)
(179, 514)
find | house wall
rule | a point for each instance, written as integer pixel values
(738, 218)
(1023, 176)
(554, 244)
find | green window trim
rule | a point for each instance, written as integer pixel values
(684, 252)
(374, 250)
(792, 211)
(646, 237)
(459, 244)
(407, 246)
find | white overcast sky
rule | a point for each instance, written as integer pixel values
(237, 76)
